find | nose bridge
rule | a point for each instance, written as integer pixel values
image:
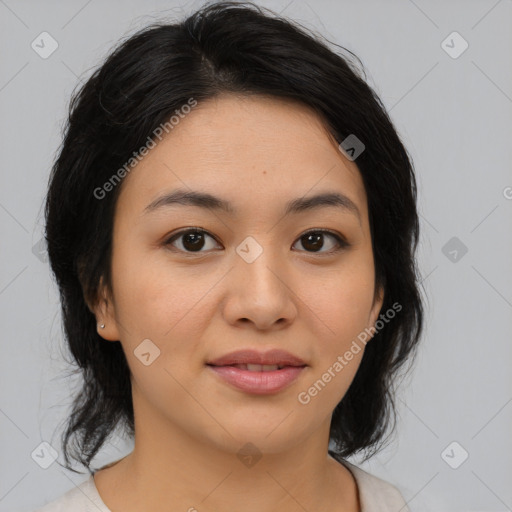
(258, 261)
(257, 291)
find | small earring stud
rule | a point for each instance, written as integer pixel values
(102, 326)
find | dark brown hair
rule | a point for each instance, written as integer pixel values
(226, 47)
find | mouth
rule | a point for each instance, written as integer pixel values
(256, 367)
(258, 373)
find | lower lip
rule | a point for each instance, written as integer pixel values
(258, 383)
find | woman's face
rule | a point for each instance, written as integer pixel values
(254, 280)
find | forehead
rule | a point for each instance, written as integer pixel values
(247, 149)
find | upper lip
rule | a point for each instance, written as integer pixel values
(248, 356)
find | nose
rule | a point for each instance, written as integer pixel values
(259, 290)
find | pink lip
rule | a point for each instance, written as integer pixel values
(248, 356)
(259, 383)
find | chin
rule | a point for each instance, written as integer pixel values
(268, 435)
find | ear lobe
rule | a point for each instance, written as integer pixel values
(104, 311)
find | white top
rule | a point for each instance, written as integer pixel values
(375, 495)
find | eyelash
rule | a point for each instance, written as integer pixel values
(342, 244)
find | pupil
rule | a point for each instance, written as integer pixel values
(316, 240)
(197, 239)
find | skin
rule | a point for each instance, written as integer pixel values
(258, 153)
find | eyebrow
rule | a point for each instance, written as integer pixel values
(295, 206)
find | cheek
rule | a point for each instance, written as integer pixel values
(167, 309)
(342, 310)
(151, 296)
(330, 379)
(343, 307)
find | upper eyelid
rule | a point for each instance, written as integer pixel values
(202, 230)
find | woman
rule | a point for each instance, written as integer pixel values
(232, 225)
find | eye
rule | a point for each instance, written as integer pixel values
(194, 239)
(314, 240)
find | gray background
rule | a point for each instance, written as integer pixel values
(454, 116)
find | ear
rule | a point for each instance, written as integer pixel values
(376, 307)
(104, 311)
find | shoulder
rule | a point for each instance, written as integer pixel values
(375, 494)
(82, 498)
